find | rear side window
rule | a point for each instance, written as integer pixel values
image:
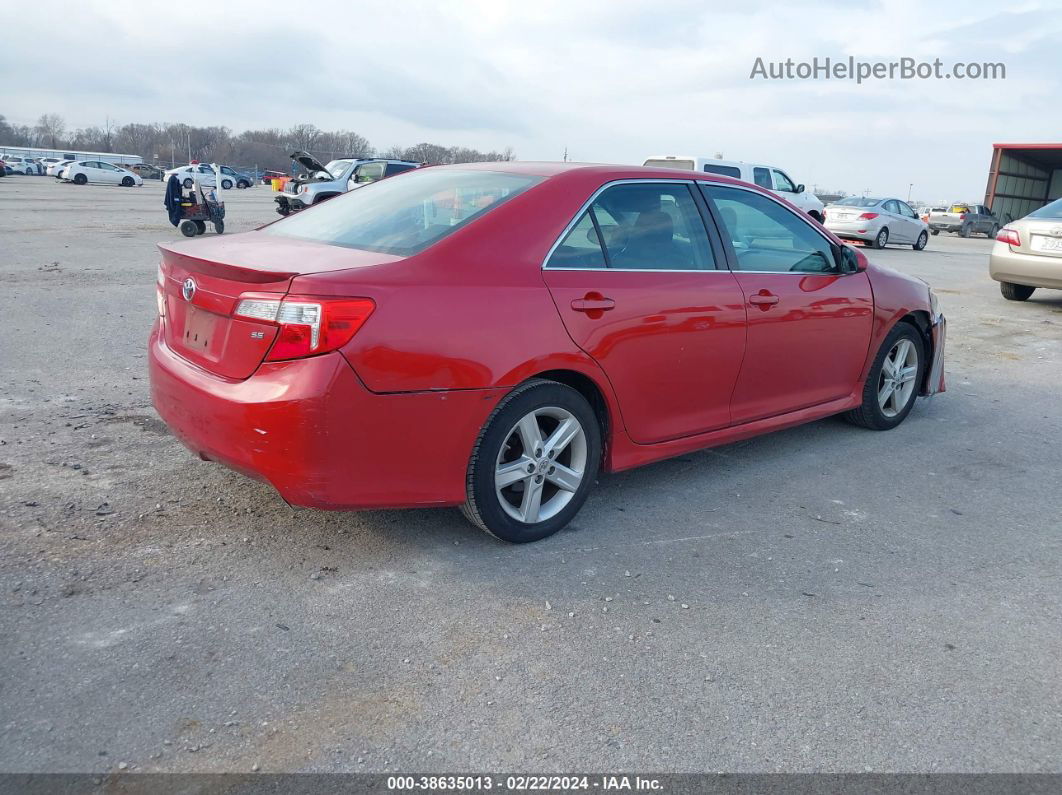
(768, 237)
(407, 214)
(638, 226)
(726, 171)
(398, 168)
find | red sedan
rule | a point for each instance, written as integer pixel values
(492, 335)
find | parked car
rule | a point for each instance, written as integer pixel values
(230, 177)
(322, 182)
(925, 212)
(20, 165)
(56, 169)
(81, 172)
(1028, 253)
(3, 168)
(964, 220)
(877, 222)
(490, 335)
(770, 178)
(148, 171)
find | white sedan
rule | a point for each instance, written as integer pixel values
(82, 171)
(56, 169)
(230, 178)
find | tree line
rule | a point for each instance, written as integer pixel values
(266, 149)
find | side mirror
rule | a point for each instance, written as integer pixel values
(851, 261)
(800, 188)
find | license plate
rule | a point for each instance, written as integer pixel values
(1041, 243)
(198, 329)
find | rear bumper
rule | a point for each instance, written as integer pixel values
(318, 436)
(945, 227)
(1033, 270)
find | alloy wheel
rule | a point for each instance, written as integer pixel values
(896, 384)
(541, 464)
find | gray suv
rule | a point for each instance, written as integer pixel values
(322, 182)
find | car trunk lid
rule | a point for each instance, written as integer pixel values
(201, 282)
(1043, 237)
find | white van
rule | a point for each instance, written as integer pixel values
(772, 178)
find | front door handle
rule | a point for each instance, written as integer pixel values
(593, 304)
(763, 298)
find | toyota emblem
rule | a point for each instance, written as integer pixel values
(188, 289)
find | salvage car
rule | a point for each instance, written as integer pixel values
(322, 182)
(81, 172)
(1027, 253)
(493, 335)
(230, 177)
(877, 222)
(964, 220)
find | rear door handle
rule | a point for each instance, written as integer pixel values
(593, 304)
(763, 299)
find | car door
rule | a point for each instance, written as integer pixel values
(912, 222)
(898, 231)
(809, 324)
(111, 174)
(655, 306)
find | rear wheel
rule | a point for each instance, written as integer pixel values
(242, 184)
(921, 242)
(892, 384)
(219, 227)
(188, 228)
(534, 463)
(226, 184)
(964, 231)
(936, 231)
(80, 179)
(200, 227)
(1016, 292)
(188, 182)
(992, 232)
(881, 239)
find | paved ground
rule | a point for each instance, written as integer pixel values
(856, 600)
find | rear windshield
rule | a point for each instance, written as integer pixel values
(669, 163)
(1052, 211)
(405, 213)
(858, 201)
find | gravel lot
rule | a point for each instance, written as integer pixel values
(825, 598)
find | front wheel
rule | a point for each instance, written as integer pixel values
(188, 183)
(881, 239)
(1016, 292)
(80, 179)
(965, 231)
(936, 231)
(534, 462)
(892, 384)
(127, 182)
(242, 184)
(188, 228)
(991, 233)
(922, 240)
(226, 184)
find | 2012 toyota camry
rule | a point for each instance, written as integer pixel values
(491, 336)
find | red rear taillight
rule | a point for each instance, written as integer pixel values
(868, 216)
(1009, 235)
(308, 325)
(962, 216)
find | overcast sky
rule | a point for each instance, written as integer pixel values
(611, 81)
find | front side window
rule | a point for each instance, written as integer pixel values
(768, 237)
(905, 209)
(639, 226)
(369, 172)
(227, 170)
(762, 177)
(406, 214)
(782, 182)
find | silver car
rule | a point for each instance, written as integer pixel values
(876, 222)
(1028, 253)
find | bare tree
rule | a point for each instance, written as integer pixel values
(50, 129)
(304, 137)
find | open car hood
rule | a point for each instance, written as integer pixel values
(309, 162)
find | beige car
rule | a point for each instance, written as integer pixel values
(1028, 253)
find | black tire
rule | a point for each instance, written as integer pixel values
(483, 504)
(964, 231)
(200, 227)
(870, 413)
(935, 231)
(1016, 292)
(80, 179)
(226, 184)
(188, 228)
(882, 238)
(991, 233)
(241, 184)
(219, 227)
(127, 182)
(921, 242)
(188, 183)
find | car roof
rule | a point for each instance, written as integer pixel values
(607, 171)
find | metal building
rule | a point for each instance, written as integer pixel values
(1023, 177)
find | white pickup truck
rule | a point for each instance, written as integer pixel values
(964, 220)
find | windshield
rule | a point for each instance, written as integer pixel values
(337, 167)
(1052, 211)
(858, 201)
(406, 213)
